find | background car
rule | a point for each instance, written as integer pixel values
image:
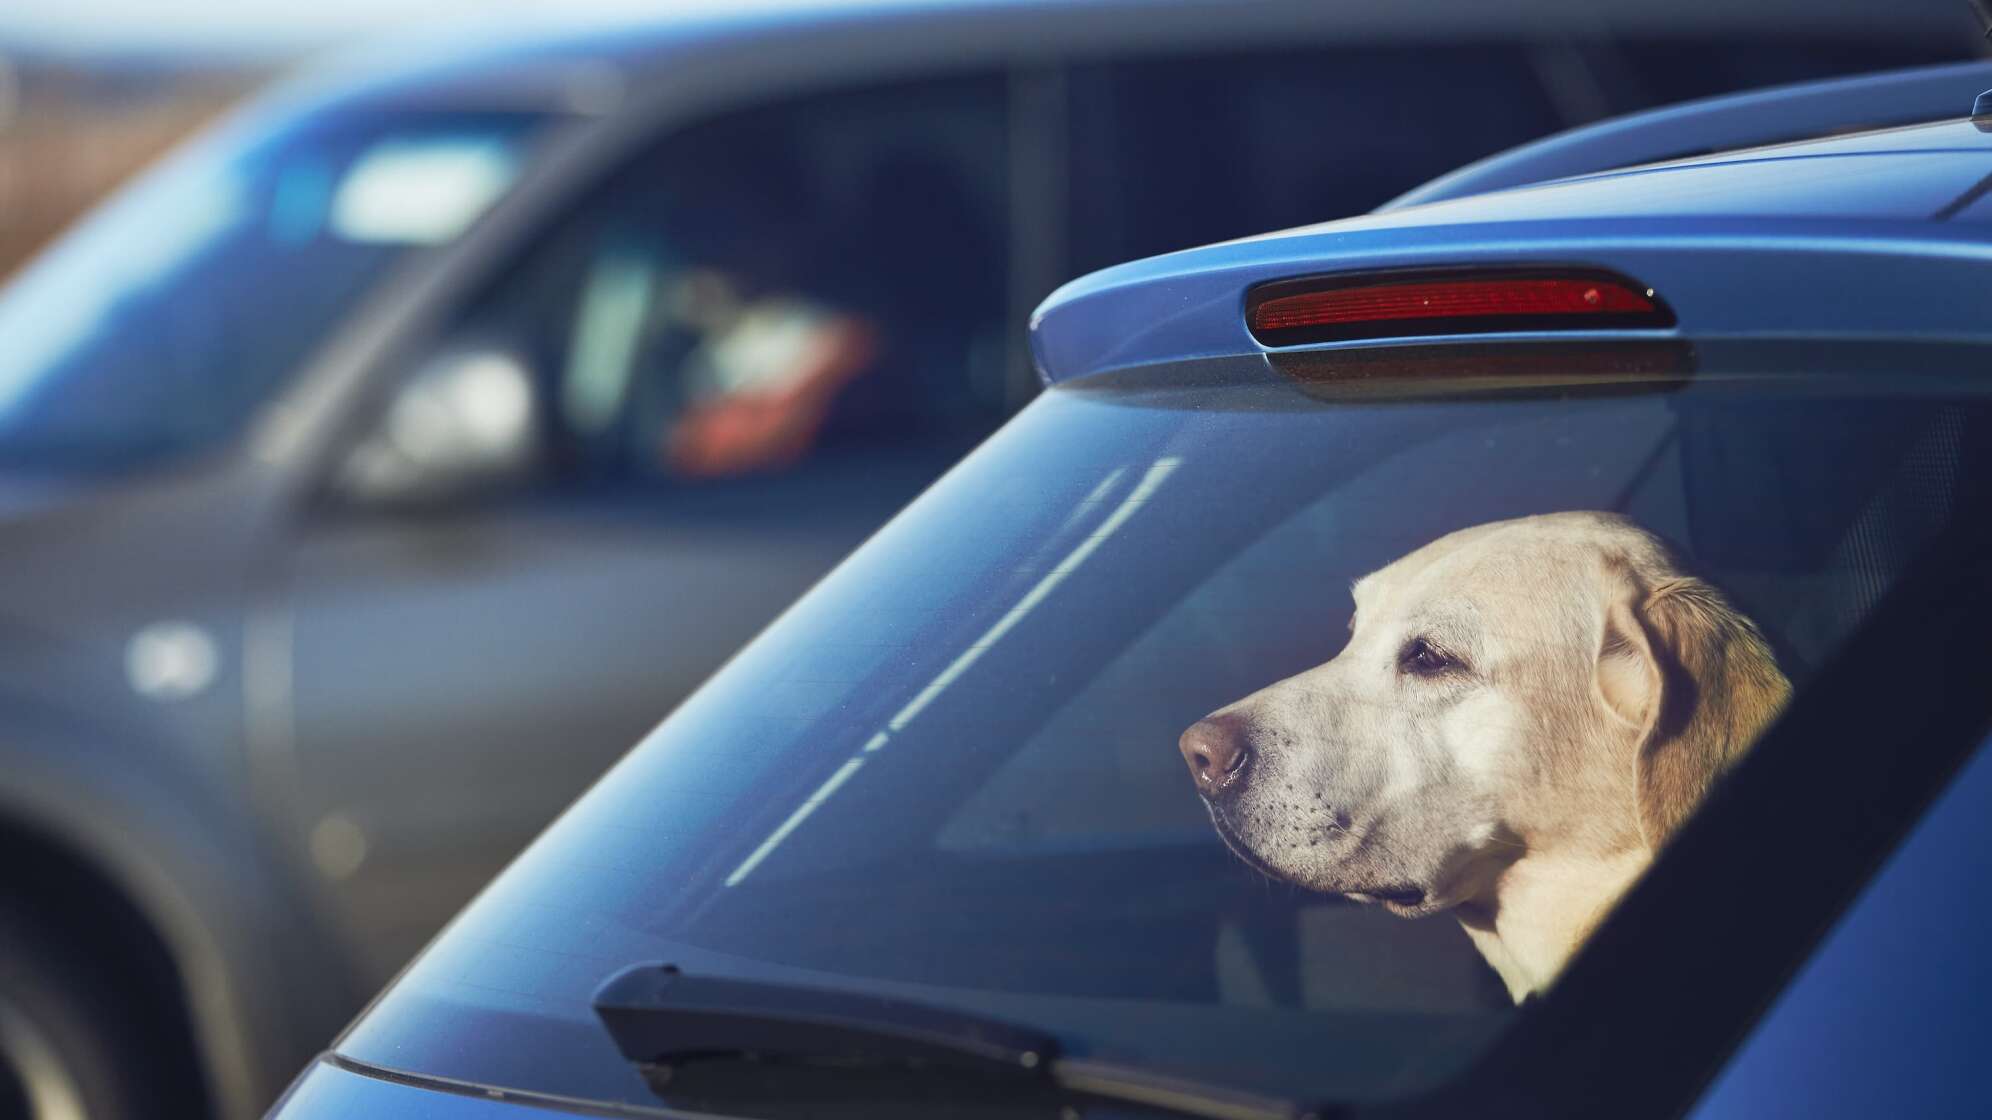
(927, 842)
(387, 461)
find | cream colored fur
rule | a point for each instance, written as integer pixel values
(1587, 694)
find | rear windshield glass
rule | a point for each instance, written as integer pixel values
(1230, 730)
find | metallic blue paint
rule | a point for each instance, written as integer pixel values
(1848, 237)
(1888, 1017)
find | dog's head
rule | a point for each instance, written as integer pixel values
(1549, 682)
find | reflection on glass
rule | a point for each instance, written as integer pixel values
(422, 191)
(160, 325)
(955, 772)
(72, 291)
(1153, 478)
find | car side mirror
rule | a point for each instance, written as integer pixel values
(466, 423)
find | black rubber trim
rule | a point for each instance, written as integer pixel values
(1491, 367)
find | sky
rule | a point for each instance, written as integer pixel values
(275, 26)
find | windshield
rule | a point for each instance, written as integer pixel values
(157, 327)
(968, 769)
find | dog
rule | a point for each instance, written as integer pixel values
(1525, 711)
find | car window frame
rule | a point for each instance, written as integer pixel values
(595, 173)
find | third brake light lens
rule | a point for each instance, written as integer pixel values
(1333, 309)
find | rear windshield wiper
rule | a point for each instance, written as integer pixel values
(713, 1041)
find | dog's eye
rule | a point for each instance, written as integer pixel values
(1424, 659)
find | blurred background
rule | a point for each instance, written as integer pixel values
(73, 124)
(473, 377)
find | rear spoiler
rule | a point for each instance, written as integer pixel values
(1745, 120)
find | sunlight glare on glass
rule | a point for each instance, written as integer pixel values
(140, 240)
(421, 191)
(1151, 481)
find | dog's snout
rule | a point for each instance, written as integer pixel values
(1217, 752)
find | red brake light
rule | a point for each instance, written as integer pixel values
(1330, 309)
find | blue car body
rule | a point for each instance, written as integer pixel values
(248, 856)
(1794, 239)
(1876, 239)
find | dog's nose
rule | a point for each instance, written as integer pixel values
(1217, 752)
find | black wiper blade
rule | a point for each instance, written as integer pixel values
(668, 1023)
(660, 1015)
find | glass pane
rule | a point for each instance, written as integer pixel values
(953, 772)
(1240, 144)
(810, 280)
(1234, 145)
(162, 323)
(1660, 71)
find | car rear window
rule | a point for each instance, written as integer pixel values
(958, 771)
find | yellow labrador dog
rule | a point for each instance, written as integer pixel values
(1523, 714)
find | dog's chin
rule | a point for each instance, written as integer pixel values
(1241, 849)
(1406, 900)
(1413, 896)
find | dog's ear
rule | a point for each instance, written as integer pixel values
(1628, 676)
(1696, 681)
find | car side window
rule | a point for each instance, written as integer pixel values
(1660, 71)
(822, 276)
(1235, 145)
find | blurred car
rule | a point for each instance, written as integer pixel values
(926, 846)
(387, 461)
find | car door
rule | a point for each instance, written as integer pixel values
(705, 382)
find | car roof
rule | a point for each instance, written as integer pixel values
(1772, 115)
(1905, 173)
(537, 55)
(1872, 234)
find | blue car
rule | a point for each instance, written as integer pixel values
(1520, 653)
(382, 465)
